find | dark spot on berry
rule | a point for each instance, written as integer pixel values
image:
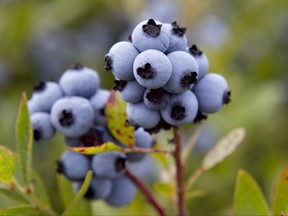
(36, 135)
(108, 61)
(179, 31)
(89, 193)
(188, 79)
(120, 164)
(227, 97)
(60, 167)
(157, 96)
(200, 117)
(77, 66)
(178, 112)
(40, 86)
(146, 72)
(151, 28)
(66, 118)
(119, 85)
(195, 51)
(130, 38)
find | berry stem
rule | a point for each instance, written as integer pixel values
(146, 192)
(179, 172)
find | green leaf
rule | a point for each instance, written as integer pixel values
(280, 199)
(223, 148)
(6, 165)
(249, 199)
(105, 147)
(39, 188)
(13, 195)
(24, 137)
(80, 194)
(115, 112)
(19, 210)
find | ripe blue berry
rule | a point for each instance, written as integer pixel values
(99, 188)
(98, 101)
(73, 165)
(79, 81)
(212, 92)
(130, 91)
(140, 115)
(73, 116)
(109, 164)
(152, 69)
(178, 39)
(151, 34)
(201, 59)
(122, 193)
(156, 99)
(184, 72)
(182, 109)
(120, 60)
(142, 140)
(42, 126)
(43, 97)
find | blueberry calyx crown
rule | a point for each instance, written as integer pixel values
(119, 85)
(188, 79)
(66, 118)
(227, 97)
(156, 96)
(180, 31)
(178, 112)
(120, 164)
(146, 72)
(77, 66)
(40, 86)
(108, 61)
(151, 28)
(200, 117)
(36, 135)
(195, 51)
(60, 167)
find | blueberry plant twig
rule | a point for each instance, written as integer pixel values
(179, 172)
(33, 199)
(147, 193)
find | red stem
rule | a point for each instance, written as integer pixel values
(147, 193)
(179, 172)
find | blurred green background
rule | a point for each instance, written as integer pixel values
(246, 41)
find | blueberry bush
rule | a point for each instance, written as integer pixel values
(132, 148)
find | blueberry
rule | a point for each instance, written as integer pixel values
(98, 101)
(93, 137)
(130, 91)
(120, 60)
(99, 188)
(42, 126)
(122, 193)
(178, 39)
(212, 92)
(152, 69)
(184, 72)
(140, 115)
(151, 34)
(156, 99)
(79, 81)
(73, 165)
(108, 137)
(182, 109)
(73, 116)
(43, 97)
(201, 59)
(109, 164)
(142, 140)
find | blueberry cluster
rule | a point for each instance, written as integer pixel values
(164, 82)
(75, 107)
